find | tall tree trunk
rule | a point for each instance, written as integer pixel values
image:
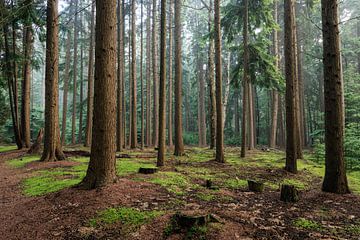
(148, 76)
(335, 172)
(130, 80)
(66, 88)
(281, 134)
(141, 76)
(290, 72)
(75, 73)
(358, 35)
(236, 112)
(219, 104)
(52, 145)
(212, 94)
(162, 92)
(155, 77)
(246, 84)
(81, 84)
(201, 104)
(227, 86)
(179, 144)
(251, 117)
(90, 92)
(170, 86)
(102, 165)
(274, 93)
(133, 78)
(26, 85)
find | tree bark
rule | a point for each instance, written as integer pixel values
(52, 145)
(66, 88)
(170, 86)
(133, 131)
(102, 166)
(219, 104)
(335, 180)
(81, 83)
(201, 104)
(290, 71)
(90, 94)
(148, 77)
(75, 73)
(155, 78)
(212, 94)
(162, 92)
(141, 77)
(179, 144)
(25, 106)
(227, 87)
(251, 117)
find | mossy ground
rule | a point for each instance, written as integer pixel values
(7, 148)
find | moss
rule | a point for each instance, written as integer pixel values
(197, 232)
(21, 162)
(173, 182)
(353, 229)
(300, 185)
(235, 183)
(206, 197)
(7, 148)
(307, 224)
(126, 167)
(129, 217)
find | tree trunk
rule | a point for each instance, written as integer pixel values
(162, 92)
(90, 92)
(246, 86)
(251, 117)
(155, 77)
(133, 78)
(25, 106)
(179, 144)
(148, 77)
(290, 71)
(212, 97)
(218, 68)
(335, 172)
(227, 87)
(81, 83)
(102, 165)
(66, 88)
(75, 73)
(170, 86)
(52, 145)
(141, 77)
(236, 112)
(274, 93)
(201, 104)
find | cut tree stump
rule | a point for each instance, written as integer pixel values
(255, 186)
(289, 193)
(150, 170)
(189, 220)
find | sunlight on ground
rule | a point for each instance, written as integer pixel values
(7, 148)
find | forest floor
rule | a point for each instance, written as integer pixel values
(39, 200)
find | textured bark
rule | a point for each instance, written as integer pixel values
(102, 165)
(75, 73)
(52, 146)
(179, 144)
(170, 83)
(290, 71)
(227, 87)
(358, 35)
(155, 77)
(130, 79)
(251, 117)
(236, 112)
(281, 132)
(148, 77)
(218, 68)
(66, 88)
(245, 82)
(80, 138)
(90, 92)
(335, 172)
(142, 77)
(133, 130)
(201, 104)
(26, 85)
(162, 89)
(212, 97)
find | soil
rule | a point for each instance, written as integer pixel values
(65, 214)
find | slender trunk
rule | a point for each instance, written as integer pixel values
(66, 88)
(219, 104)
(290, 72)
(155, 77)
(251, 117)
(162, 92)
(201, 105)
(335, 172)
(281, 134)
(102, 165)
(52, 145)
(170, 86)
(75, 73)
(141, 77)
(25, 106)
(130, 81)
(212, 94)
(133, 131)
(81, 85)
(227, 86)
(358, 35)
(148, 77)
(246, 86)
(236, 112)
(90, 92)
(179, 144)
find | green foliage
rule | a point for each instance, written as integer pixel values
(7, 148)
(235, 183)
(129, 217)
(307, 224)
(126, 167)
(174, 182)
(21, 162)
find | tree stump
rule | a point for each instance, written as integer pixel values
(187, 221)
(150, 170)
(210, 185)
(289, 193)
(35, 148)
(255, 186)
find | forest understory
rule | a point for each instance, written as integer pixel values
(41, 200)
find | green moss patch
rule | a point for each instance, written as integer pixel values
(7, 148)
(126, 167)
(307, 224)
(173, 182)
(21, 162)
